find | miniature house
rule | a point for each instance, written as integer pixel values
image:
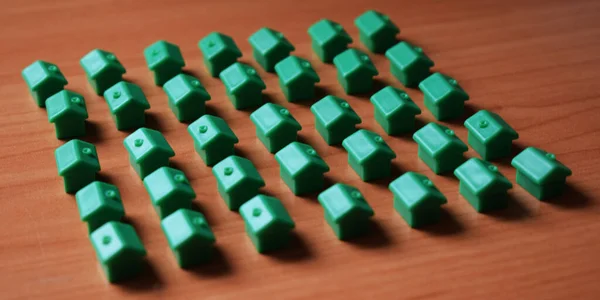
(102, 69)
(443, 96)
(268, 224)
(213, 139)
(409, 64)
(148, 150)
(269, 47)
(328, 39)
(369, 155)
(355, 71)
(346, 210)
(169, 190)
(301, 168)
(275, 126)
(482, 185)
(189, 236)
(297, 78)
(77, 163)
(244, 86)
(439, 148)
(490, 135)
(238, 180)
(67, 111)
(43, 79)
(335, 120)
(127, 104)
(219, 51)
(99, 203)
(377, 32)
(394, 110)
(186, 97)
(540, 173)
(417, 199)
(164, 60)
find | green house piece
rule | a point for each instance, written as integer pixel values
(335, 120)
(394, 110)
(355, 71)
(213, 139)
(439, 148)
(77, 163)
(43, 79)
(99, 203)
(67, 111)
(482, 185)
(346, 211)
(409, 64)
(219, 52)
(189, 236)
(127, 104)
(268, 224)
(269, 47)
(540, 174)
(490, 135)
(444, 98)
(369, 155)
(238, 180)
(119, 251)
(301, 168)
(102, 69)
(186, 97)
(417, 199)
(297, 78)
(328, 39)
(377, 32)
(275, 126)
(244, 86)
(169, 191)
(164, 60)
(148, 150)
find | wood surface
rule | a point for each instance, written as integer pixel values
(536, 63)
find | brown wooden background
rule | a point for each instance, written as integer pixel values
(537, 63)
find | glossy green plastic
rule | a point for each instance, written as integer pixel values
(346, 211)
(355, 71)
(43, 79)
(119, 250)
(219, 51)
(482, 185)
(102, 69)
(275, 126)
(268, 224)
(443, 96)
(169, 190)
(269, 47)
(164, 59)
(186, 97)
(394, 110)
(417, 199)
(297, 78)
(490, 135)
(369, 155)
(328, 39)
(127, 104)
(98, 203)
(213, 139)
(244, 86)
(377, 32)
(301, 168)
(77, 163)
(238, 180)
(335, 119)
(439, 148)
(148, 150)
(409, 64)
(67, 111)
(540, 173)
(189, 236)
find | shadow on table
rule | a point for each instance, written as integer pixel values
(218, 266)
(297, 250)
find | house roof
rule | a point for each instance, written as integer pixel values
(186, 226)
(331, 110)
(66, 105)
(123, 95)
(345, 203)
(540, 166)
(293, 68)
(99, 61)
(326, 31)
(41, 72)
(365, 144)
(273, 119)
(372, 22)
(145, 143)
(266, 40)
(487, 126)
(238, 75)
(166, 184)
(481, 177)
(298, 158)
(210, 130)
(99, 200)
(182, 86)
(436, 139)
(76, 156)
(116, 241)
(403, 55)
(236, 172)
(264, 215)
(353, 60)
(216, 43)
(163, 53)
(416, 190)
(391, 101)
(438, 87)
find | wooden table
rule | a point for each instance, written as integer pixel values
(536, 63)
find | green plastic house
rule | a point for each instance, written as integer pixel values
(169, 191)
(77, 163)
(394, 110)
(189, 236)
(219, 51)
(297, 78)
(127, 104)
(417, 199)
(443, 96)
(67, 111)
(238, 180)
(355, 71)
(164, 60)
(540, 173)
(482, 185)
(490, 135)
(186, 97)
(439, 148)
(213, 139)
(369, 155)
(148, 150)
(409, 64)
(377, 32)
(268, 224)
(328, 39)
(244, 86)
(335, 120)
(275, 126)
(99, 203)
(102, 69)
(301, 168)
(346, 211)
(43, 79)
(269, 47)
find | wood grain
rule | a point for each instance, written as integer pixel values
(536, 63)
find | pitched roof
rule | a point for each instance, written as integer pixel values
(404, 54)
(487, 126)
(365, 144)
(125, 94)
(344, 202)
(481, 177)
(238, 74)
(76, 156)
(99, 199)
(271, 118)
(326, 31)
(115, 240)
(40, 72)
(266, 40)
(234, 172)
(292, 68)
(371, 22)
(208, 130)
(66, 104)
(416, 190)
(540, 166)
(186, 226)
(164, 182)
(437, 86)
(332, 109)
(352, 60)
(99, 61)
(264, 215)
(181, 86)
(437, 139)
(163, 52)
(146, 142)
(216, 43)
(390, 101)
(297, 157)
